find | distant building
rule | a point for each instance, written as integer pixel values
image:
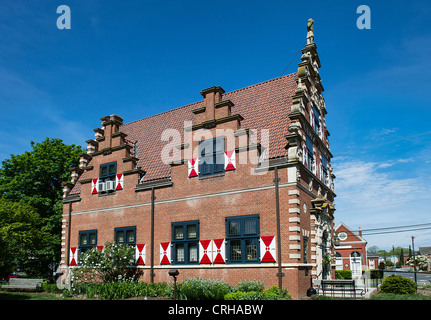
(350, 252)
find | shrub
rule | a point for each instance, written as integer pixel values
(250, 295)
(398, 285)
(50, 287)
(120, 289)
(343, 274)
(376, 274)
(203, 289)
(250, 285)
(272, 293)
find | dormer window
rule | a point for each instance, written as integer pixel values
(107, 179)
(211, 156)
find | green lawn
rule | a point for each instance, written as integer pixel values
(388, 296)
(29, 296)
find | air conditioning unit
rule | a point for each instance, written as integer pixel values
(110, 185)
(102, 187)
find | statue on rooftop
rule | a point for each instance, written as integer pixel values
(310, 31)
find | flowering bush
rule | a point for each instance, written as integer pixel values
(110, 264)
(272, 293)
(422, 261)
(203, 289)
(249, 286)
(327, 258)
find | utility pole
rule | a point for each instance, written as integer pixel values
(280, 274)
(414, 258)
(153, 198)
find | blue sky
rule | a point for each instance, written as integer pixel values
(139, 58)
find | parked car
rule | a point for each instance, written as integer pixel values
(12, 275)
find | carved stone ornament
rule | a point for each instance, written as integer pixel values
(310, 31)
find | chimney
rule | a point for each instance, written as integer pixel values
(110, 129)
(212, 96)
(360, 231)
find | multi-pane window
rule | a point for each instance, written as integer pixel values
(125, 235)
(87, 240)
(309, 145)
(108, 173)
(316, 123)
(242, 239)
(305, 245)
(211, 156)
(185, 242)
(324, 165)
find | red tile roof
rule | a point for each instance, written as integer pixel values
(264, 105)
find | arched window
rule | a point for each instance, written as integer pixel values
(355, 254)
(338, 261)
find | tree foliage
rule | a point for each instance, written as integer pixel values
(24, 238)
(35, 177)
(31, 193)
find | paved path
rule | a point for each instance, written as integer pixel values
(422, 277)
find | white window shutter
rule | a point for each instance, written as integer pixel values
(229, 160)
(267, 249)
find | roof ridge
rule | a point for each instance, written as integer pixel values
(261, 83)
(158, 114)
(227, 93)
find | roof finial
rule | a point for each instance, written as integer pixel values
(310, 31)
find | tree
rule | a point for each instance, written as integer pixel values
(23, 238)
(35, 178)
(373, 249)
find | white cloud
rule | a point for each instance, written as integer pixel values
(381, 134)
(370, 196)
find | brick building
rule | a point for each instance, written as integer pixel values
(351, 253)
(194, 188)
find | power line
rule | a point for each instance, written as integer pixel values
(397, 227)
(397, 231)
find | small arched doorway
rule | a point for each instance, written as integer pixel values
(355, 264)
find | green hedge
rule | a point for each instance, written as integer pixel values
(272, 293)
(376, 274)
(121, 290)
(203, 289)
(190, 289)
(343, 274)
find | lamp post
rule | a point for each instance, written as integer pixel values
(174, 273)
